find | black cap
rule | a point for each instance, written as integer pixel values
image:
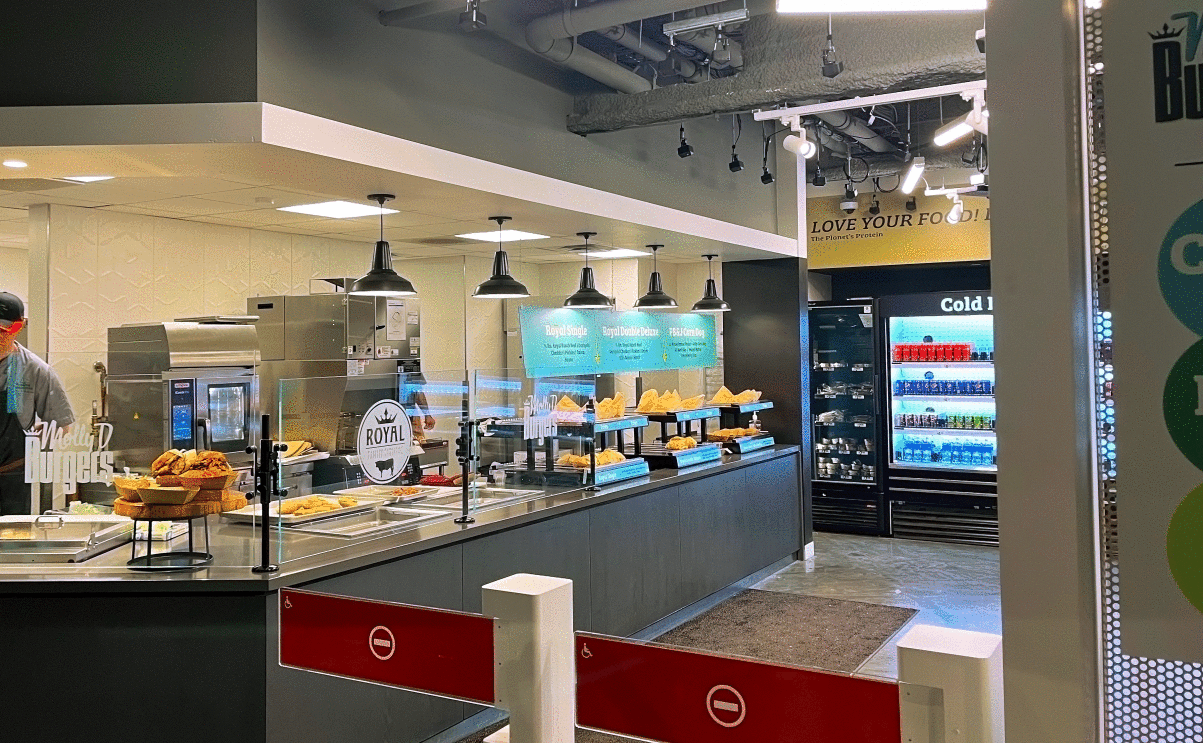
(11, 307)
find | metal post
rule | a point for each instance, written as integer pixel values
(265, 484)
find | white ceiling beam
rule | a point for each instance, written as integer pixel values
(903, 96)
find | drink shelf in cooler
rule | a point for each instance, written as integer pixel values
(947, 398)
(852, 480)
(922, 431)
(947, 466)
(943, 364)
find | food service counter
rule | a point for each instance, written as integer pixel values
(636, 552)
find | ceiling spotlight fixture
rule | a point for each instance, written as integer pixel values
(655, 299)
(737, 130)
(914, 173)
(684, 150)
(874, 206)
(977, 119)
(800, 145)
(848, 203)
(830, 67)
(710, 302)
(472, 19)
(501, 285)
(87, 178)
(819, 180)
(877, 6)
(381, 280)
(765, 176)
(15, 164)
(912, 204)
(587, 296)
(957, 211)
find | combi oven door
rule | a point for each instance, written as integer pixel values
(217, 412)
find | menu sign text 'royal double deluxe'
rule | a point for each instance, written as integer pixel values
(562, 341)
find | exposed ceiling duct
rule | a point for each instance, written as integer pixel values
(652, 50)
(885, 166)
(781, 65)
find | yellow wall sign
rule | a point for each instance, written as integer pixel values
(896, 235)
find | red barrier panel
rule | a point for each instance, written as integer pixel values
(445, 653)
(683, 696)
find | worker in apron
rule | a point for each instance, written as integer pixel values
(31, 395)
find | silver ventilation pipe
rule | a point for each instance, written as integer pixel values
(551, 35)
(653, 50)
(845, 123)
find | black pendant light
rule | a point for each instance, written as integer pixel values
(501, 285)
(655, 299)
(711, 301)
(382, 280)
(587, 296)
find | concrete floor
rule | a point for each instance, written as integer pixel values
(951, 585)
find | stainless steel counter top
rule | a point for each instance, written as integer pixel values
(305, 557)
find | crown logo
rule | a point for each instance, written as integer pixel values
(1166, 33)
(386, 419)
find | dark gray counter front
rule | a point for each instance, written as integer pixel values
(635, 554)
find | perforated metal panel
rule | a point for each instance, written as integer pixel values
(1146, 700)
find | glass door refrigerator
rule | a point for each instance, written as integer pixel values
(941, 478)
(846, 472)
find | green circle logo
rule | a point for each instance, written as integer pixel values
(1180, 268)
(1181, 403)
(1184, 547)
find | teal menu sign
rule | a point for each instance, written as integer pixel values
(562, 341)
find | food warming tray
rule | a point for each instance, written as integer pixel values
(60, 538)
(254, 511)
(366, 524)
(386, 492)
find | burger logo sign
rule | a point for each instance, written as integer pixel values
(384, 441)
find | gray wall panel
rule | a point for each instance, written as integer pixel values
(635, 562)
(774, 510)
(54, 648)
(309, 706)
(715, 544)
(559, 548)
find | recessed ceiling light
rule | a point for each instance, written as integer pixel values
(87, 178)
(15, 164)
(614, 253)
(338, 209)
(505, 236)
(876, 6)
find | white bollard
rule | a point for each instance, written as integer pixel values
(964, 674)
(534, 652)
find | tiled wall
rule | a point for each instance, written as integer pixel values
(110, 268)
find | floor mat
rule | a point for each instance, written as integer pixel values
(811, 631)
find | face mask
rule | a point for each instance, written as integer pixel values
(13, 329)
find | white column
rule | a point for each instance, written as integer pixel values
(1047, 496)
(535, 674)
(967, 669)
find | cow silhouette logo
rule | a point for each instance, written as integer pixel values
(384, 441)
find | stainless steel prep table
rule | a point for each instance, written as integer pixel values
(637, 552)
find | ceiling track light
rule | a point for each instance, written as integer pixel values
(912, 204)
(819, 180)
(830, 67)
(381, 280)
(957, 211)
(711, 302)
(800, 145)
(766, 177)
(874, 206)
(849, 204)
(978, 119)
(587, 297)
(737, 130)
(655, 299)
(501, 285)
(685, 150)
(915, 165)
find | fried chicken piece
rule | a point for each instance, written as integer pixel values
(289, 507)
(347, 501)
(681, 443)
(647, 402)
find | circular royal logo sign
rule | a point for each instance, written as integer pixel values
(384, 441)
